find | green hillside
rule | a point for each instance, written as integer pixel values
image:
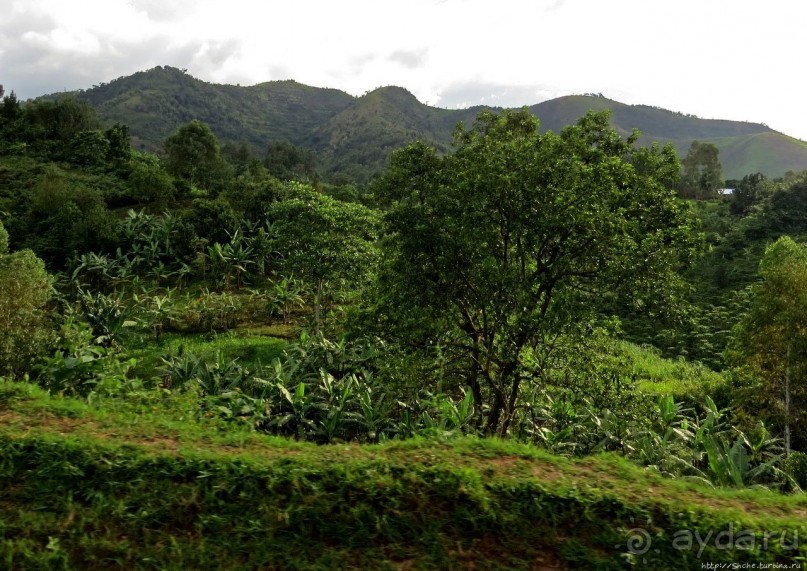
(768, 152)
(653, 122)
(355, 135)
(145, 486)
(744, 147)
(366, 132)
(156, 102)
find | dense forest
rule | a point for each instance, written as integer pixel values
(520, 305)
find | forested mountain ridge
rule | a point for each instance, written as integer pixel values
(355, 135)
(156, 102)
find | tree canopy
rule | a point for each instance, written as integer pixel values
(322, 239)
(771, 339)
(702, 172)
(194, 154)
(517, 237)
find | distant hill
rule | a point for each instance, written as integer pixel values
(156, 102)
(355, 135)
(744, 147)
(363, 135)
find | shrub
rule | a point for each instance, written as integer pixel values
(25, 290)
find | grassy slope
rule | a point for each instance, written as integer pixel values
(763, 152)
(657, 376)
(144, 486)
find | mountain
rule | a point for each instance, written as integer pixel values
(355, 135)
(156, 102)
(744, 147)
(361, 137)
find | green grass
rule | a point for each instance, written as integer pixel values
(658, 376)
(145, 485)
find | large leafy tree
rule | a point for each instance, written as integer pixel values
(194, 155)
(771, 339)
(515, 239)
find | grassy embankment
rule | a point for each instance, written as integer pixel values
(147, 485)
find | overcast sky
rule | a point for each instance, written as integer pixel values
(727, 59)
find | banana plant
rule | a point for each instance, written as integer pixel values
(729, 464)
(97, 271)
(230, 261)
(107, 315)
(285, 296)
(375, 413)
(260, 243)
(336, 414)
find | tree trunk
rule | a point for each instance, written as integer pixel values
(511, 407)
(787, 403)
(473, 373)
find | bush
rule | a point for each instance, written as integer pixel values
(25, 290)
(796, 468)
(82, 367)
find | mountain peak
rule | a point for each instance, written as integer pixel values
(393, 93)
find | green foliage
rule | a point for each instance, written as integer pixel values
(149, 182)
(120, 150)
(230, 263)
(655, 376)
(167, 492)
(511, 242)
(3, 240)
(323, 240)
(796, 468)
(160, 247)
(769, 340)
(720, 278)
(62, 213)
(702, 172)
(49, 126)
(251, 348)
(194, 155)
(213, 220)
(730, 463)
(80, 366)
(212, 311)
(288, 162)
(283, 297)
(107, 315)
(25, 290)
(89, 148)
(251, 193)
(748, 193)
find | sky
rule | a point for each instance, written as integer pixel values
(717, 59)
